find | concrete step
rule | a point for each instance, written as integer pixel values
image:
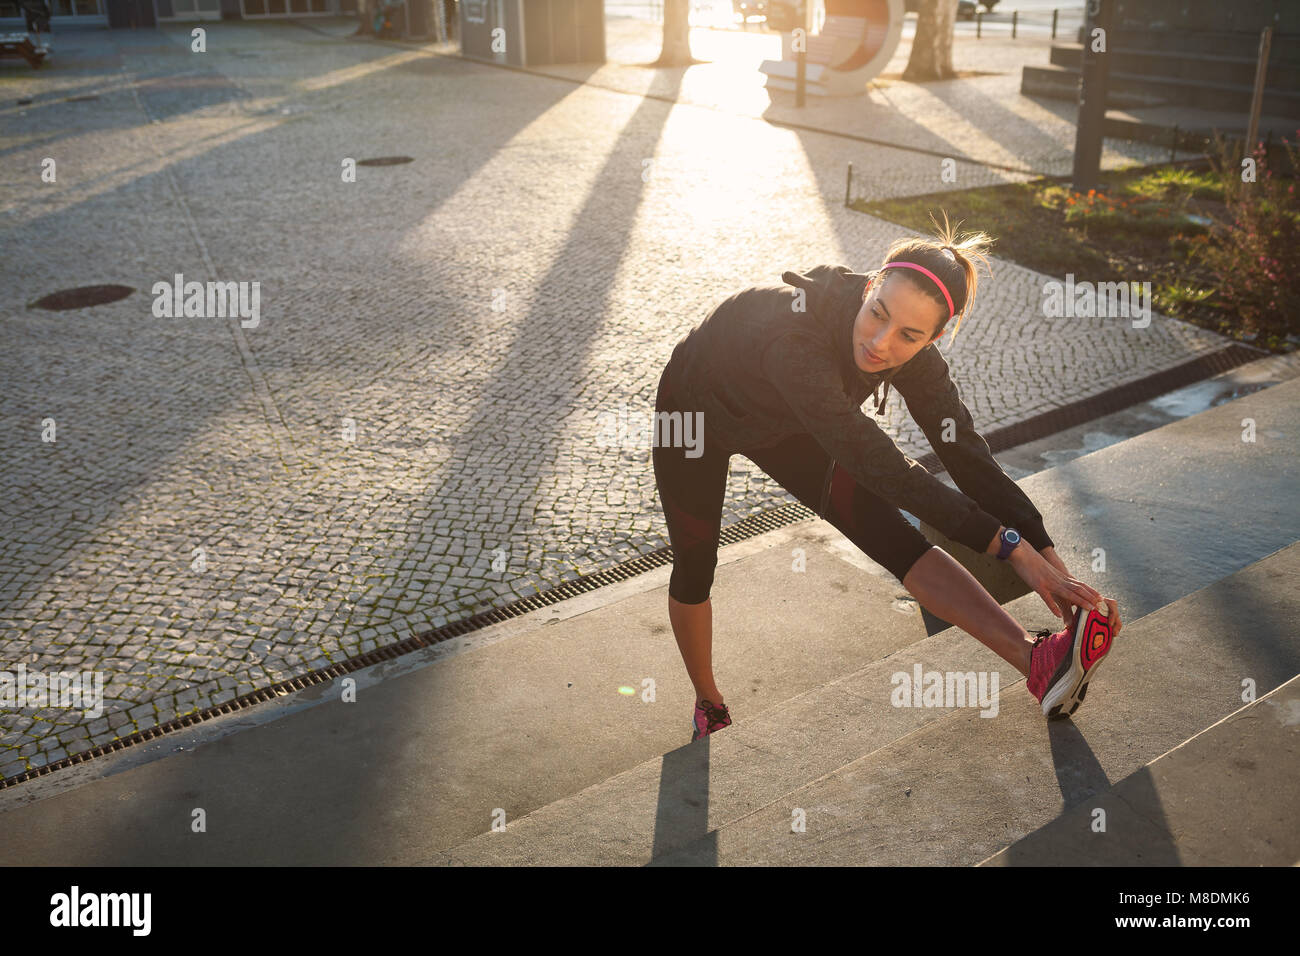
(1058, 83)
(1194, 129)
(1226, 797)
(1135, 90)
(953, 790)
(1192, 68)
(1170, 34)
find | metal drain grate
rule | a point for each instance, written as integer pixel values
(81, 297)
(1040, 426)
(385, 161)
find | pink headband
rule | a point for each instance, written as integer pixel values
(942, 287)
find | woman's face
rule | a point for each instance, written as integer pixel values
(896, 321)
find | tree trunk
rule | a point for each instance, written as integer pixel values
(677, 34)
(931, 57)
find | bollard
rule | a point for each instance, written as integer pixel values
(1014, 16)
(801, 79)
(848, 186)
(1054, 13)
(979, 22)
(1257, 95)
(1091, 124)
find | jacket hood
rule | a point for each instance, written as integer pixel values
(834, 300)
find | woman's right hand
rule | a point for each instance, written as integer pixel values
(1058, 589)
(1049, 554)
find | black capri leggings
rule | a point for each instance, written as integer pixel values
(691, 491)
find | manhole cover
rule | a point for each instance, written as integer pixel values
(82, 297)
(26, 102)
(385, 161)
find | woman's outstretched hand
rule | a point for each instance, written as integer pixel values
(1048, 576)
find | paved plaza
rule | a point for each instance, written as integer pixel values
(409, 434)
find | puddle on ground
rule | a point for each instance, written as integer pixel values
(1092, 441)
(1197, 398)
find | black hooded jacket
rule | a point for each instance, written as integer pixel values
(761, 371)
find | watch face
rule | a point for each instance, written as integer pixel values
(1013, 536)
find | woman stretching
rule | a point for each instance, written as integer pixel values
(778, 374)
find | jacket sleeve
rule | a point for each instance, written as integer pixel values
(932, 397)
(799, 367)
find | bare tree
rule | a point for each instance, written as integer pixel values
(677, 34)
(931, 57)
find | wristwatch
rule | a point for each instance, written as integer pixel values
(1010, 538)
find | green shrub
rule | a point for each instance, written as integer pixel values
(1256, 258)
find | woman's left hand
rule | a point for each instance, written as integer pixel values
(1050, 556)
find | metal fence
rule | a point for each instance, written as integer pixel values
(1060, 22)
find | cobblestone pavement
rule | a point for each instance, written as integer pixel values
(204, 524)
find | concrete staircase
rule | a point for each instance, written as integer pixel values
(1153, 77)
(879, 784)
(1189, 66)
(530, 723)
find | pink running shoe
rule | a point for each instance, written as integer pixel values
(708, 718)
(1061, 664)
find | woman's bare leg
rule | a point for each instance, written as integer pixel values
(947, 589)
(693, 628)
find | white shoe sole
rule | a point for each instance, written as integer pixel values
(1092, 642)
